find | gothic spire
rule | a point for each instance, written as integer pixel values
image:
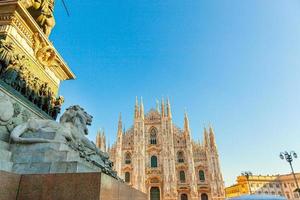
(98, 138)
(169, 112)
(157, 105)
(186, 123)
(212, 137)
(162, 108)
(120, 125)
(206, 139)
(136, 108)
(142, 108)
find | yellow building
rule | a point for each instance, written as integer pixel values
(281, 185)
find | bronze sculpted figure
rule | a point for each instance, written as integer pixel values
(42, 12)
(6, 54)
(14, 72)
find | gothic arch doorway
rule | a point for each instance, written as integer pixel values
(204, 196)
(154, 193)
(184, 197)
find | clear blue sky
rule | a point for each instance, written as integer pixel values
(232, 63)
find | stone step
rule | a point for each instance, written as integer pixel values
(54, 167)
(5, 155)
(4, 145)
(6, 166)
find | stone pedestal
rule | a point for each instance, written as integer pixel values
(48, 158)
(77, 186)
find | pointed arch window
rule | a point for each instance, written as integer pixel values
(182, 176)
(153, 161)
(127, 158)
(127, 177)
(201, 175)
(180, 157)
(153, 136)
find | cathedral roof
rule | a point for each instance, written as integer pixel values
(153, 115)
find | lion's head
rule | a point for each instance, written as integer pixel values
(77, 117)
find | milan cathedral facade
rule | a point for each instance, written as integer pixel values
(162, 160)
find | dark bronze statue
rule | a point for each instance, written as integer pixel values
(6, 54)
(14, 72)
(42, 12)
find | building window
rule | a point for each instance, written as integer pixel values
(182, 176)
(180, 157)
(277, 185)
(153, 161)
(127, 177)
(201, 175)
(153, 136)
(127, 158)
(204, 196)
(184, 197)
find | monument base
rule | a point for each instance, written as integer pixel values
(71, 186)
(22, 110)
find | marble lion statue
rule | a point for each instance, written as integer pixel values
(72, 128)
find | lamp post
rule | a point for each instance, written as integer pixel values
(289, 158)
(247, 175)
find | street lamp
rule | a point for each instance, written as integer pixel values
(289, 158)
(247, 175)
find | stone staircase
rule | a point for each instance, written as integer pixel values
(5, 157)
(44, 158)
